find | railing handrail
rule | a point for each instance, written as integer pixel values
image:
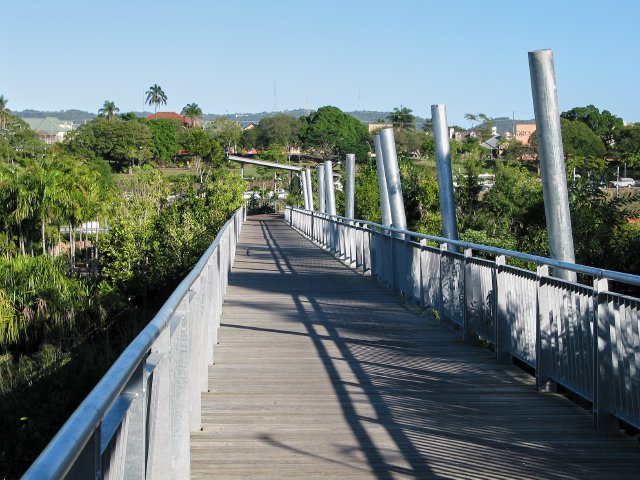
(574, 267)
(65, 447)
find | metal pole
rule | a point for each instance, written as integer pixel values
(307, 173)
(551, 154)
(392, 176)
(328, 185)
(350, 186)
(305, 191)
(385, 209)
(321, 190)
(445, 177)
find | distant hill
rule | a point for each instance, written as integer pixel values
(80, 116)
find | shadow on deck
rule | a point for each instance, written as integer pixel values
(322, 373)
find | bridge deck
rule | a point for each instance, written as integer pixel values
(321, 373)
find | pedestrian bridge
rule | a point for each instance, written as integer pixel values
(344, 349)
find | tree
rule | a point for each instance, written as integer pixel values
(402, 118)
(603, 124)
(334, 134)
(193, 112)
(409, 142)
(4, 111)
(164, 137)
(202, 148)
(156, 96)
(579, 139)
(280, 129)
(122, 144)
(225, 131)
(627, 144)
(108, 110)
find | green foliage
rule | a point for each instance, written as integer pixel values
(420, 194)
(367, 195)
(467, 195)
(604, 124)
(627, 144)
(156, 96)
(18, 142)
(334, 134)
(578, 139)
(40, 302)
(279, 129)
(402, 118)
(122, 143)
(164, 138)
(411, 143)
(274, 153)
(108, 110)
(193, 112)
(225, 131)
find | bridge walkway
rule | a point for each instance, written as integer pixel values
(321, 373)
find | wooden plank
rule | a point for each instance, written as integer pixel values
(322, 373)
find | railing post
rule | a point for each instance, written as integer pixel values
(423, 244)
(468, 330)
(501, 321)
(443, 248)
(135, 459)
(88, 464)
(544, 359)
(602, 357)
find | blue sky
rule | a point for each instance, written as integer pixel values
(228, 56)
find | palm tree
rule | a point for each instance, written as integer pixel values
(156, 96)
(108, 110)
(4, 111)
(193, 112)
(402, 118)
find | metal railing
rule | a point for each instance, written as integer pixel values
(583, 337)
(136, 422)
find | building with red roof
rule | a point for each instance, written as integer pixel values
(186, 122)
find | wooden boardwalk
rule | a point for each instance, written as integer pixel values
(323, 374)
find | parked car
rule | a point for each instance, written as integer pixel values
(251, 194)
(624, 182)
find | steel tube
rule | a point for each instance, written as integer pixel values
(305, 192)
(321, 190)
(328, 185)
(551, 154)
(385, 209)
(307, 173)
(445, 177)
(350, 186)
(392, 176)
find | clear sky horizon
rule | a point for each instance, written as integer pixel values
(256, 55)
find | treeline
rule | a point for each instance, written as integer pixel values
(87, 255)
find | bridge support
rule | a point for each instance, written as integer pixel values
(385, 209)
(551, 152)
(305, 191)
(321, 190)
(328, 185)
(445, 177)
(392, 176)
(307, 174)
(350, 186)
